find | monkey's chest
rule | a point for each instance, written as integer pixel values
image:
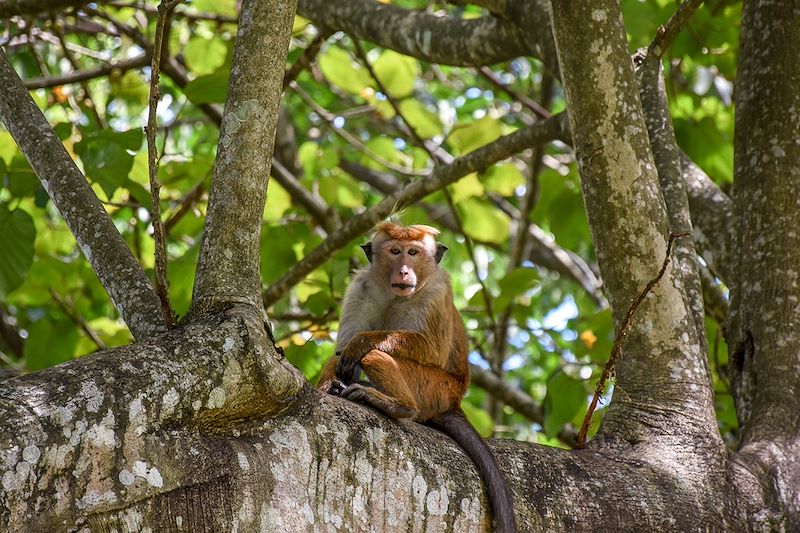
(397, 315)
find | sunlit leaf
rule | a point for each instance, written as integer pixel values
(503, 178)
(484, 223)
(341, 70)
(205, 55)
(396, 72)
(17, 233)
(467, 138)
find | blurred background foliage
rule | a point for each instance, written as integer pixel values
(545, 334)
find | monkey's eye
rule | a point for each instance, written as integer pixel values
(413, 252)
(395, 251)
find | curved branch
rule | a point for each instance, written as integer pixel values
(90, 73)
(443, 175)
(445, 40)
(98, 238)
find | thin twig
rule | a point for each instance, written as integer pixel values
(69, 308)
(329, 117)
(155, 187)
(667, 33)
(305, 59)
(608, 370)
(490, 76)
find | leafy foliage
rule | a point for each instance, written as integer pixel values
(558, 336)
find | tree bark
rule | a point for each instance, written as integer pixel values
(228, 268)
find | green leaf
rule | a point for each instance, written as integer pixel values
(221, 7)
(467, 187)
(566, 397)
(208, 89)
(278, 202)
(19, 178)
(130, 87)
(484, 222)
(205, 55)
(465, 139)
(339, 68)
(49, 343)
(479, 419)
(340, 190)
(396, 72)
(106, 157)
(385, 148)
(503, 178)
(516, 282)
(308, 357)
(425, 122)
(17, 233)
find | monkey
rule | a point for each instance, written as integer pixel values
(400, 326)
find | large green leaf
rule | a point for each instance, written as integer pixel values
(106, 156)
(18, 177)
(205, 55)
(208, 89)
(396, 72)
(340, 69)
(425, 122)
(49, 343)
(17, 233)
(465, 139)
(484, 222)
(566, 397)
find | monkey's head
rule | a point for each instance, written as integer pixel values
(404, 257)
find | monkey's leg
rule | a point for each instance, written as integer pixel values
(391, 393)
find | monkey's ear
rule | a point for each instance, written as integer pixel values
(367, 251)
(440, 250)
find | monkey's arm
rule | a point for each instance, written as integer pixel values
(410, 345)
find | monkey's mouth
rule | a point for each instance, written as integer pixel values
(403, 287)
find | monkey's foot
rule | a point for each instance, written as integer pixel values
(355, 392)
(336, 388)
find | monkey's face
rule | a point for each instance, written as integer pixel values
(406, 263)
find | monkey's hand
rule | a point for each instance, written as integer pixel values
(347, 369)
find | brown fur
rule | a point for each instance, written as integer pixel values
(399, 326)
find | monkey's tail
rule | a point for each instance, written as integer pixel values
(457, 427)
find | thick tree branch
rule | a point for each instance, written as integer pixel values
(630, 226)
(228, 266)
(98, 238)
(442, 175)
(766, 285)
(712, 219)
(445, 40)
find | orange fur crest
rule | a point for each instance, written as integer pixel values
(417, 232)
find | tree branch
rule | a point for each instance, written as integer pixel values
(629, 223)
(159, 237)
(443, 175)
(445, 40)
(98, 238)
(98, 71)
(228, 268)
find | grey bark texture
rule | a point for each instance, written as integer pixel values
(228, 267)
(209, 427)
